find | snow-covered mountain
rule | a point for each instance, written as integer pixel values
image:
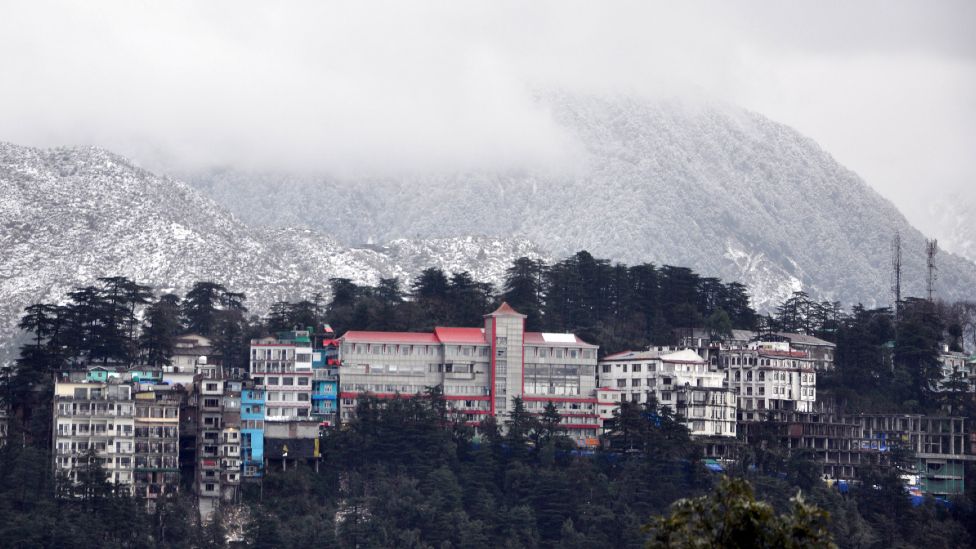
(953, 223)
(722, 190)
(68, 216)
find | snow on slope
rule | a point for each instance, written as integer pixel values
(68, 216)
(666, 182)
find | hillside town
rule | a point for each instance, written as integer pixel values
(196, 422)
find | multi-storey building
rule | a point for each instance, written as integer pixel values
(325, 378)
(820, 352)
(99, 417)
(480, 370)
(769, 376)
(958, 371)
(939, 445)
(678, 379)
(157, 422)
(218, 450)
(187, 352)
(230, 441)
(252, 432)
(282, 367)
(830, 437)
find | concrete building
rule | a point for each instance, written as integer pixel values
(281, 366)
(678, 379)
(156, 425)
(94, 416)
(939, 444)
(252, 432)
(325, 378)
(187, 350)
(820, 352)
(958, 371)
(480, 369)
(769, 376)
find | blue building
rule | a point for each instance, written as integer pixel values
(325, 379)
(252, 432)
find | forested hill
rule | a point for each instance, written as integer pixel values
(721, 190)
(69, 216)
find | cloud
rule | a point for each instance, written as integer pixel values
(394, 86)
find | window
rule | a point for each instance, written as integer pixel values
(637, 368)
(287, 381)
(303, 397)
(211, 386)
(605, 368)
(635, 382)
(303, 381)
(621, 383)
(272, 381)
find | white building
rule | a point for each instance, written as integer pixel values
(680, 380)
(957, 368)
(480, 369)
(282, 367)
(187, 352)
(820, 351)
(99, 416)
(770, 376)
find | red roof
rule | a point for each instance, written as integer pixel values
(505, 309)
(389, 337)
(471, 336)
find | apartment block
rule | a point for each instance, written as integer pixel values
(156, 425)
(480, 369)
(281, 366)
(769, 376)
(820, 352)
(252, 432)
(325, 377)
(99, 417)
(679, 379)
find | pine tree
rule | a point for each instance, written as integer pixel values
(200, 307)
(160, 329)
(523, 290)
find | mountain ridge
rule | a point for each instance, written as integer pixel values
(72, 215)
(723, 190)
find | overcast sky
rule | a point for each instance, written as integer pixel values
(888, 87)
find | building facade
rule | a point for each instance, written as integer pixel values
(679, 379)
(769, 376)
(281, 366)
(325, 378)
(252, 432)
(99, 417)
(157, 422)
(480, 369)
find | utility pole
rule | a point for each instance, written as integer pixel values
(931, 248)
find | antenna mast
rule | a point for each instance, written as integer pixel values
(931, 248)
(896, 268)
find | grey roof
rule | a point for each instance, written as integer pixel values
(749, 335)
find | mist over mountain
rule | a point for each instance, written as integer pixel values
(69, 216)
(725, 191)
(952, 222)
